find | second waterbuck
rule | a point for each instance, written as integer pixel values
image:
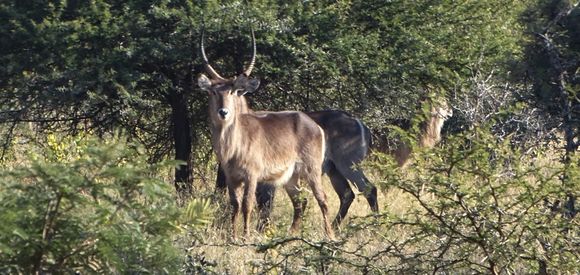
(276, 147)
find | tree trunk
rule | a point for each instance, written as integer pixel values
(182, 139)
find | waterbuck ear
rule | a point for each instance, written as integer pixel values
(246, 85)
(253, 85)
(204, 82)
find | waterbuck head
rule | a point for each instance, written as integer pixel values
(226, 94)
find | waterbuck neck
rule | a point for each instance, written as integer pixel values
(228, 139)
(431, 131)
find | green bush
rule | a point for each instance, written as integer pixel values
(481, 206)
(472, 205)
(87, 206)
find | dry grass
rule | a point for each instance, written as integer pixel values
(241, 256)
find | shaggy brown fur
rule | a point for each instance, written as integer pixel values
(348, 143)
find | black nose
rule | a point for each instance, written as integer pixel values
(223, 112)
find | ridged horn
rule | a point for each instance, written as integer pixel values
(248, 71)
(208, 68)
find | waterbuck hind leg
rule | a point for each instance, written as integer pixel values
(344, 192)
(371, 194)
(315, 183)
(358, 178)
(298, 202)
(265, 194)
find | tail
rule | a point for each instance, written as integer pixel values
(369, 137)
(366, 137)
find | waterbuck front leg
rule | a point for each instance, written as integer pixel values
(248, 203)
(235, 191)
(220, 182)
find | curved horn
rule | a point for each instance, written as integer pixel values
(208, 67)
(248, 71)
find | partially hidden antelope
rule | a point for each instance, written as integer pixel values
(275, 147)
(429, 135)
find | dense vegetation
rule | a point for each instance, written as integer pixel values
(107, 167)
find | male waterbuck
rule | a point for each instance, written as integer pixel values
(275, 147)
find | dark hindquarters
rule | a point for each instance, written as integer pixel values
(265, 194)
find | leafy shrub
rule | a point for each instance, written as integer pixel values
(480, 207)
(474, 205)
(87, 206)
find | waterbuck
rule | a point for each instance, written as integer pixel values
(429, 135)
(275, 147)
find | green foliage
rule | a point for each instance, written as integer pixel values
(475, 205)
(375, 59)
(480, 207)
(113, 64)
(102, 211)
(132, 64)
(197, 213)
